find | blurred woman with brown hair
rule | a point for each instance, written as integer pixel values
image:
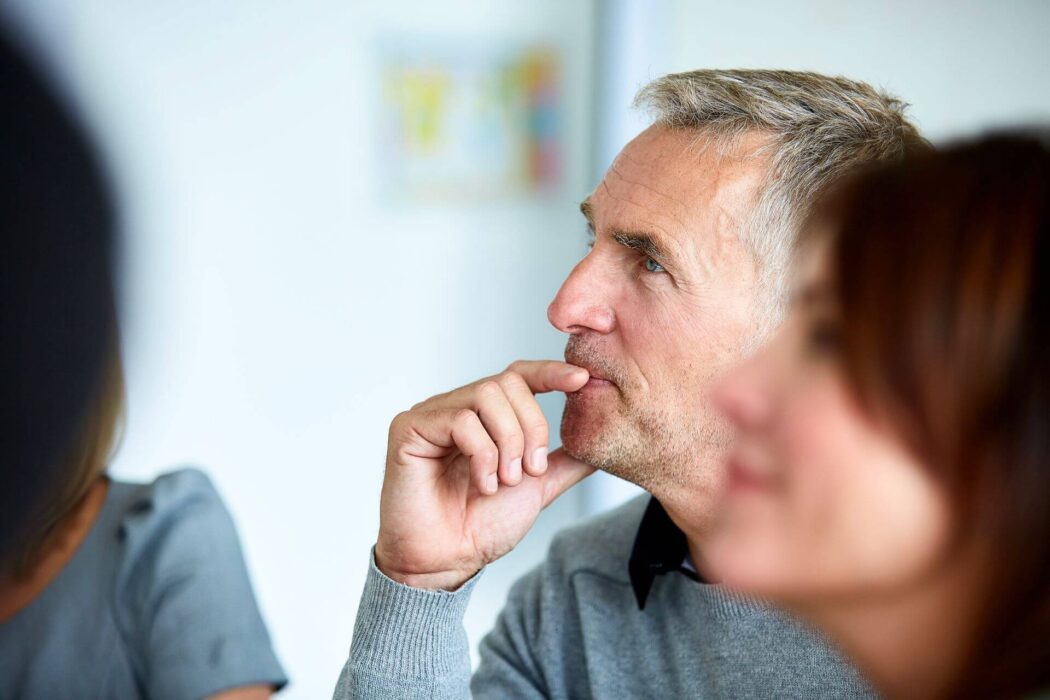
(891, 480)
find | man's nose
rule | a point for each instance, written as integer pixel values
(584, 301)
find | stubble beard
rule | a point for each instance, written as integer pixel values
(658, 447)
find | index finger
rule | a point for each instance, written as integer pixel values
(550, 375)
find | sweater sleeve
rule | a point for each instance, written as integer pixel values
(408, 642)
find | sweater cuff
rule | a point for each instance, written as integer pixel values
(409, 631)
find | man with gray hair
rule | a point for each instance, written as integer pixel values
(693, 227)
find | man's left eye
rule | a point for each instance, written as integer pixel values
(653, 266)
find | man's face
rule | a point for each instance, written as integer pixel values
(659, 307)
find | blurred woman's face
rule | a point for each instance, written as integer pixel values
(821, 504)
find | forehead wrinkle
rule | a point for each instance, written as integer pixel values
(668, 243)
(614, 169)
(675, 215)
(687, 167)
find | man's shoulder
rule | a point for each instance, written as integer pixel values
(601, 543)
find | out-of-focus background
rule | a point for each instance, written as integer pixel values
(334, 209)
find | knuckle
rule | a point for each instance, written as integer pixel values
(512, 380)
(489, 389)
(464, 416)
(517, 367)
(537, 428)
(399, 421)
(487, 455)
(511, 439)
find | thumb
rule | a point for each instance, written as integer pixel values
(563, 472)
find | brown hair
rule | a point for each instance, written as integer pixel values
(942, 269)
(85, 463)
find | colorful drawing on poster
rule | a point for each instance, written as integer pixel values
(462, 124)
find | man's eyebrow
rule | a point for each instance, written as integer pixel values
(588, 212)
(643, 242)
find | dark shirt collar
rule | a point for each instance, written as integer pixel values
(659, 548)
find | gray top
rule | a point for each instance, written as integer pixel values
(572, 629)
(156, 603)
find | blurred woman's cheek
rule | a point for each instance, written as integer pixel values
(819, 500)
(864, 513)
(753, 549)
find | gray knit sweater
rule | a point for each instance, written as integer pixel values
(571, 629)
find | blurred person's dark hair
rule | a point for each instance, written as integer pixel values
(156, 569)
(57, 314)
(941, 267)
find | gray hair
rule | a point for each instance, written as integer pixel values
(819, 128)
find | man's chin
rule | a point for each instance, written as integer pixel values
(582, 451)
(594, 442)
(607, 441)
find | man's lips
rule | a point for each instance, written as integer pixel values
(596, 374)
(597, 383)
(597, 379)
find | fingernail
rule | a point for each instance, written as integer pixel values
(515, 469)
(492, 483)
(539, 460)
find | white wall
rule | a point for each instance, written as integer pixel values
(964, 65)
(277, 314)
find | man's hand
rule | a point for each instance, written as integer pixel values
(468, 472)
